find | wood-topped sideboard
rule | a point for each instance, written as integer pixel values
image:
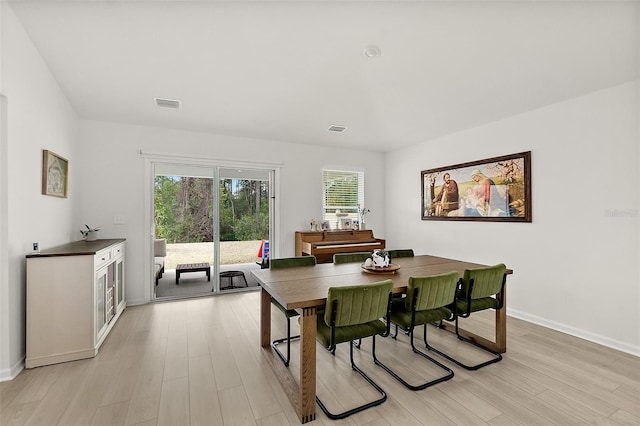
(75, 294)
(324, 244)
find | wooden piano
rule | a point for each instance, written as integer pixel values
(324, 244)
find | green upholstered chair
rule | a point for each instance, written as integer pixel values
(288, 262)
(359, 256)
(428, 300)
(400, 253)
(292, 262)
(482, 288)
(351, 313)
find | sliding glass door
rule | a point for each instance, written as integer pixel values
(243, 224)
(209, 223)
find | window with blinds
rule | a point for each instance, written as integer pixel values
(342, 192)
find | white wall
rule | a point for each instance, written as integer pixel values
(38, 116)
(576, 265)
(112, 182)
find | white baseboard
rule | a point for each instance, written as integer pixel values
(595, 338)
(12, 373)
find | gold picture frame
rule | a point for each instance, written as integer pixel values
(55, 171)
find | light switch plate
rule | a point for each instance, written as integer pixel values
(118, 219)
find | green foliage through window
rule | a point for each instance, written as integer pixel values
(184, 209)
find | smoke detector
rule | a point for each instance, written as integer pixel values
(167, 103)
(371, 51)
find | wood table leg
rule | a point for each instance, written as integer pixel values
(500, 343)
(307, 409)
(501, 324)
(265, 319)
(302, 395)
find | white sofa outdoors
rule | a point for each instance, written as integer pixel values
(159, 253)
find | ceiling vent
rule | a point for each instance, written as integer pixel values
(167, 103)
(337, 128)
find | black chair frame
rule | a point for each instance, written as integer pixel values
(410, 332)
(288, 315)
(497, 356)
(354, 367)
(276, 342)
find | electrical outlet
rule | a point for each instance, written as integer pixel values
(118, 219)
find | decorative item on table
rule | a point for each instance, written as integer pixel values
(380, 263)
(381, 258)
(314, 225)
(325, 225)
(90, 234)
(362, 211)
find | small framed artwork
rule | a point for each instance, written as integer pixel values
(495, 189)
(346, 223)
(55, 170)
(325, 225)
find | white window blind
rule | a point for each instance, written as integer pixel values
(342, 191)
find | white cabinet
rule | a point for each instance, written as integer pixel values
(75, 295)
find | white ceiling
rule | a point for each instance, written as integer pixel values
(288, 70)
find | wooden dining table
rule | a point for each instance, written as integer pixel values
(305, 290)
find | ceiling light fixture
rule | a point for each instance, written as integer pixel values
(167, 103)
(371, 51)
(337, 128)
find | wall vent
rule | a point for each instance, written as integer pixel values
(167, 103)
(337, 128)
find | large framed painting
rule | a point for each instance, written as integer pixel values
(495, 189)
(55, 170)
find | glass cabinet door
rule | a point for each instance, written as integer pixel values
(119, 282)
(101, 307)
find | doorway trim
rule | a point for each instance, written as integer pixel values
(151, 158)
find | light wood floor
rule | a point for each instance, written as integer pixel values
(197, 362)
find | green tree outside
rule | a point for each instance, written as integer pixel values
(184, 209)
